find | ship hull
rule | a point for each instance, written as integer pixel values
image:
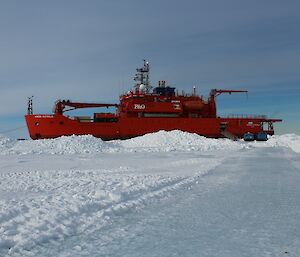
(56, 125)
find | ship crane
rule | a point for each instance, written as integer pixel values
(60, 105)
(216, 92)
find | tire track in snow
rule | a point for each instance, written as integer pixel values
(46, 206)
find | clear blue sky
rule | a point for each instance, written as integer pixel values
(88, 51)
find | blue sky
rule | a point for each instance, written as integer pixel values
(88, 51)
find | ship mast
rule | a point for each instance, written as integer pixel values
(141, 78)
(29, 106)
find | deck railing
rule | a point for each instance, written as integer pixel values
(247, 116)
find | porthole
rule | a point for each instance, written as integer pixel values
(37, 124)
(61, 123)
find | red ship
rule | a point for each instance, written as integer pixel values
(144, 110)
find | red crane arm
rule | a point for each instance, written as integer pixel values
(60, 105)
(216, 92)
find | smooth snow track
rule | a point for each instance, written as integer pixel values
(245, 207)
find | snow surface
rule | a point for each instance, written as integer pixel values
(162, 194)
(161, 141)
(291, 141)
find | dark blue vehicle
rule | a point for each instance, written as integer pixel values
(249, 137)
(261, 136)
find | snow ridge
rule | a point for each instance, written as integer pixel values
(291, 141)
(162, 141)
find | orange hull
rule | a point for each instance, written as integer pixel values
(56, 125)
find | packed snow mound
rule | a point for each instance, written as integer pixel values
(291, 141)
(62, 145)
(162, 141)
(288, 140)
(177, 140)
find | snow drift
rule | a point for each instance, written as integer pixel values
(177, 140)
(161, 141)
(291, 141)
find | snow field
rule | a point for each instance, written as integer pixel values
(45, 206)
(53, 190)
(291, 141)
(41, 206)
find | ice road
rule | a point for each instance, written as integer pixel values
(164, 194)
